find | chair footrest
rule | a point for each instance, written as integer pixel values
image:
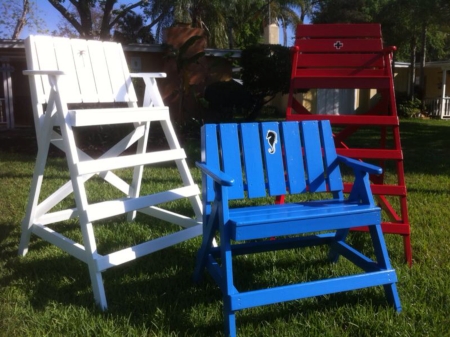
(256, 298)
(296, 218)
(88, 117)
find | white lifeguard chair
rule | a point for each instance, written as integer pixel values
(63, 71)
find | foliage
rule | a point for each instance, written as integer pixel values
(47, 292)
(83, 21)
(266, 71)
(131, 29)
(16, 14)
(343, 11)
(226, 101)
(407, 107)
(184, 58)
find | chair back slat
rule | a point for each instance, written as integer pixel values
(313, 157)
(96, 71)
(253, 162)
(82, 59)
(365, 61)
(273, 158)
(231, 158)
(293, 158)
(366, 30)
(102, 72)
(333, 172)
(348, 45)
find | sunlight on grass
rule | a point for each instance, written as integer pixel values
(48, 293)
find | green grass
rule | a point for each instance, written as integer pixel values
(47, 292)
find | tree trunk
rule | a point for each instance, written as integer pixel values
(413, 47)
(21, 22)
(422, 61)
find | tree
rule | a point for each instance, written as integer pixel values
(15, 15)
(82, 21)
(266, 71)
(345, 11)
(131, 29)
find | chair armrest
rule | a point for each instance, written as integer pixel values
(360, 166)
(44, 72)
(219, 177)
(153, 75)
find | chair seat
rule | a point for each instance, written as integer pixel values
(258, 222)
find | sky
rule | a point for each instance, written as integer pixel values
(53, 17)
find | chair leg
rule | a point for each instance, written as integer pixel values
(35, 190)
(341, 235)
(382, 256)
(97, 286)
(138, 171)
(209, 231)
(229, 318)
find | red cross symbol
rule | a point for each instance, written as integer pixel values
(338, 45)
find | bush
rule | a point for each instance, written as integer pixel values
(227, 100)
(266, 71)
(407, 107)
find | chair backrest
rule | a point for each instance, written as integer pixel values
(340, 50)
(272, 158)
(95, 71)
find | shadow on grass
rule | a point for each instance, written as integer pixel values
(158, 288)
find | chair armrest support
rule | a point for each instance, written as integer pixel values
(360, 166)
(152, 75)
(219, 177)
(44, 72)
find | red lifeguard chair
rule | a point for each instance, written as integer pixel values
(352, 56)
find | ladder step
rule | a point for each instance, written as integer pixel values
(111, 208)
(90, 117)
(108, 164)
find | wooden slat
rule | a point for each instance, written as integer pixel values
(107, 164)
(332, 168)
(344, 82)
(83, 66)
(273, 158)
(252, 156)
(45, 60)
(351, 120)
(116, 71)
(231, 158)
(65, 62)
(117, 116)
(293, 157)
(313, 156)
(339, 30)
(359, 61)
(346, 45)
(390, 154)
(100, 71)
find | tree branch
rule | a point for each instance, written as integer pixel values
(67, 15)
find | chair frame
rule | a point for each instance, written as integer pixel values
(58, 67)
(255, 160)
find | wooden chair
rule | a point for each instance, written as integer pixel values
(65, 71)
(352, 56)
(254, 160)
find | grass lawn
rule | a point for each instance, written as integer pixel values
(47, 292)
